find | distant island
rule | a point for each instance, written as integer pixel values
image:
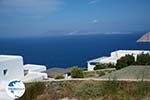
(145, 38)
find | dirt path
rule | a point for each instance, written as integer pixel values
(95, 79)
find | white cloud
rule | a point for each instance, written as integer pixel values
(73, 33)
(93, 2)
(31, 7)
(95, 21)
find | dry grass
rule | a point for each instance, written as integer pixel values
(88, 90)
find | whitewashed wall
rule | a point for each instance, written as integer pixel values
(14, 67)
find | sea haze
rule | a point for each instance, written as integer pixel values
(67, 51)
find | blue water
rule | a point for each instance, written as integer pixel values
(67, 51)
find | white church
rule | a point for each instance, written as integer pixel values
(114, 56)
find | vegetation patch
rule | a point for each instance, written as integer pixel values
(33, 90)
(59, 77)
(125, 61)
(143, 59)
(97, 73)
(104, 66)
(132, 72)
(88, 90)
(76, 72)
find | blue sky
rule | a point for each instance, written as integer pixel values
(37, 18)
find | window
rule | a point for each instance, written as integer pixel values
(5, 71)
(25, 72)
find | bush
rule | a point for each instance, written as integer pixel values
(143, 88)
(110, 87)
(111, 65)
(88, 89)
(33, 90)
(125, 61)
(76, 72)
(100, 66)
(143, 59)
(59, 77)
(103, 66)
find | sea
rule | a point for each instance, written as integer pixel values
(68, 51)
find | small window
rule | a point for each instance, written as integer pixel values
(5, 71)
(25, 72)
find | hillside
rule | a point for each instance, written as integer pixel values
(131, 72)
(87, 90)
(53, 72)
(145, 38)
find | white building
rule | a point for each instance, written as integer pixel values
(34, 68)
(34, 72)
(114, 56)
(11, 67)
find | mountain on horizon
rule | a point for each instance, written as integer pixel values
(144, 38)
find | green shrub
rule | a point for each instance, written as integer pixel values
(33, 90)
(99, 66)
(103, 66)
(110, 87)
(76, 72)
(59, 77)
(111, 65)
(143, 59)
(125, 61)
(142, 89)
(87, 89)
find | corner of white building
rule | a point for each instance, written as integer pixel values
(11, 67)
